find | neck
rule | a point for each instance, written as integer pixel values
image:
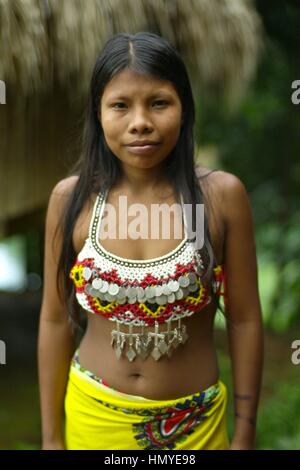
(141, 181)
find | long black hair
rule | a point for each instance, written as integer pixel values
(97, 167)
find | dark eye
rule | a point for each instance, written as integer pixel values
(119, 103)
(161, 101)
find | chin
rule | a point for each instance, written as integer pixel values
(142, 162)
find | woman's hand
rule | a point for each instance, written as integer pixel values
(53, 445)
(239, 445)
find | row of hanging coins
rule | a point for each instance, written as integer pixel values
(119, 339)
(141, 344)
(161, 294)
(174, 339)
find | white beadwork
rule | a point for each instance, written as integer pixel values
(167, 291)
(82, 300)
(127, 270)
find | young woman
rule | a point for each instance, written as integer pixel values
(146, 375)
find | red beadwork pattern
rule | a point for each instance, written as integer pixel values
(221, 280)
(147, 312)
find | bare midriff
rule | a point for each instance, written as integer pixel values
(193, 367)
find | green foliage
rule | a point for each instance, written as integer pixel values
(20, 445)
(279, 274)
(279, 424)
(260, 144)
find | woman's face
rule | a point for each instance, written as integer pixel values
(137, 107)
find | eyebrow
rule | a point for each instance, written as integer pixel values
(124, 97)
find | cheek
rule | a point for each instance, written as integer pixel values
(171, 127)
(172, 118)
(111, 128)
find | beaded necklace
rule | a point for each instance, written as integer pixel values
(142, 293)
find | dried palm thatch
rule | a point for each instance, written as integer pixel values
(48, 48)
(42, 41)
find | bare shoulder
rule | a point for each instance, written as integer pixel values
(57, 204)
(58, 198)
(230, 202)
(59, 195)
(227, 186)
(235, 199)
(65, 186)
(229, 183)
(219, 179)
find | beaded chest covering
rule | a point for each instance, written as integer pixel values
(141, 293)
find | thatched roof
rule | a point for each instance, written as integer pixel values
(46, 40)
(48, 49)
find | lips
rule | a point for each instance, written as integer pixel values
(142, 143)
(142, 149)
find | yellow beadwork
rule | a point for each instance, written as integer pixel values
(76, 275)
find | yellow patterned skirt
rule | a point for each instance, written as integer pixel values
(98, 417)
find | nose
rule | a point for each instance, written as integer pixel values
(140, 121)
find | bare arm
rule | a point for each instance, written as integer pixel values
(55, 341)
(245, 326)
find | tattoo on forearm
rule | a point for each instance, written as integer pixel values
(242, 397)
(250, 420)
